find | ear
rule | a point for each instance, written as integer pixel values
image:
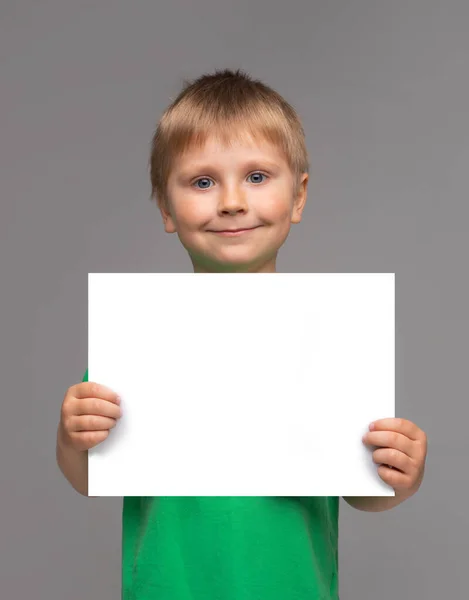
(168, 221)
(300, 199)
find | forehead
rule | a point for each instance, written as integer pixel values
(245, 148)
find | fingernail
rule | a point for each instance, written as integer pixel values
(372, 426)
(118, 399)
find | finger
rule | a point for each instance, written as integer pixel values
(402, 426)
(91, 423)
(394, 458)
(91, 389)
(84, 440)
(390, 439)
(96, 406)
(394, 478)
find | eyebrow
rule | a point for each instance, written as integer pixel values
(250, 165)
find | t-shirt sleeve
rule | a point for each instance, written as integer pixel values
(85, 376)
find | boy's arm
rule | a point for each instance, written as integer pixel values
(73, 464)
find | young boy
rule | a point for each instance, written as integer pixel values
(229, 170)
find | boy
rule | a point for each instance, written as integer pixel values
(229, 170)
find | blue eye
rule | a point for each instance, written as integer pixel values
(257, 175)
(202, 179)
(206, 179)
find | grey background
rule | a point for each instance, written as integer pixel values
(383, 92)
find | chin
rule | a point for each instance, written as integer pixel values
(234, 258)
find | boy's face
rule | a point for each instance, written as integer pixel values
(216, 191)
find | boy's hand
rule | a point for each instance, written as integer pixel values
(401, 453)
(89, 411)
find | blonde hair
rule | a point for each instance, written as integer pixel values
(232, 106)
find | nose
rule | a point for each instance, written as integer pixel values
(232, 201)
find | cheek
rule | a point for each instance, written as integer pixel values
(190, 214)
(278, 209)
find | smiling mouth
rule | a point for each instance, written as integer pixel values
(234, 232)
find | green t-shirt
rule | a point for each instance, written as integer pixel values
(229, 548)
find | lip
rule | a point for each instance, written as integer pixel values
(234, 232)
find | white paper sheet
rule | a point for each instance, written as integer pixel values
(242, 384)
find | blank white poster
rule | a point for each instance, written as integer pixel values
(241, 384)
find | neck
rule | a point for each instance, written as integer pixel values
(266, 267)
